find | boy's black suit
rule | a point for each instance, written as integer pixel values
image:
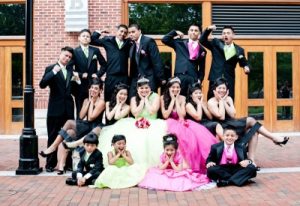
(60, 105)
(93, 166)
(234, 173)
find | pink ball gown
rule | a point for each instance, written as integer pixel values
(194, 141)
(169, 179)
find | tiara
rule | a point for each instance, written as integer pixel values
(175, 79)
(169, 139)
(143, 80)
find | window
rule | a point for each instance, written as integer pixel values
(12, 19)
(162, 18)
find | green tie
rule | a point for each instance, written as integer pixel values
(120, 43)
(229, 51)
(64, 71)
(86, 52)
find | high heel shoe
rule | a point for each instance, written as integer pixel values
(43, 154)
(285, 140)
(61, 172)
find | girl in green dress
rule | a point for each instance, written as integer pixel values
(121, 171)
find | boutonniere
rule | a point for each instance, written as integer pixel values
(95, 56)
(143, 52)
(203, 54)
(92, 165)
(241, 56)
(142, 123)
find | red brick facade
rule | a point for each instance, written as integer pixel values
(50, 35)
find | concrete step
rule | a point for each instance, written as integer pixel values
(40, 122)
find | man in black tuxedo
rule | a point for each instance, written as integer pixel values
(117, 53)
(85, 61)
(225, 55)
(144, 60)
(227, 161)
(61, 105)
(190, 56)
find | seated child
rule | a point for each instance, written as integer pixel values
(227, 162)
(172, 174)
(90, 165)
(121, 171)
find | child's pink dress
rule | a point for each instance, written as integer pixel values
(169, 179)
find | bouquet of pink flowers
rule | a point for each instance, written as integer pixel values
(142, 123)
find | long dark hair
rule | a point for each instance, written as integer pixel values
(220, 81)
(191, 89)
(170, 139)
(167, 96)
(113, 100)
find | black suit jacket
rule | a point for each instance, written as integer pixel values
(220, 66)
(117, 59)
(94, 164)
(216, 152)
(183, 64)
(146, 61)
(60, 99)
(87, 65)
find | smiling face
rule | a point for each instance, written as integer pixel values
(122, 95)
(221, 90)
(84, 38)
(144, 90)
(175, 88)
(95, 90)
(194, 32)
(230, 136)
(120, 145)
(122, 33)
(227, 36)
(170, 150)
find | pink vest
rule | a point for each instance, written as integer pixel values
(193, 52)
(224, 160)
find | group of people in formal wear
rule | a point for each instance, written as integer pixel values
(130, 134)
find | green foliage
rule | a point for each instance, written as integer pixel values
(12, 19)
(161, 18)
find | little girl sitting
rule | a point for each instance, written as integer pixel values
(121, 171)
(172, 174)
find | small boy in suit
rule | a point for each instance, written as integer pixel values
(227, 162)
(90, 165)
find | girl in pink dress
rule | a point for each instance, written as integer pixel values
(193, 138)
(172, 173)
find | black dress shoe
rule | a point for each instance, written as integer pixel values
(50, 169)
(222, 183)
(61, 172)
(71, 181)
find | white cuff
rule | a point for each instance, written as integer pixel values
(79, 175)
(87, 176)
(54, 72)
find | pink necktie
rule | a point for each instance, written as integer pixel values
(228, 154)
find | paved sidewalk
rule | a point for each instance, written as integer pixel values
(277, 184)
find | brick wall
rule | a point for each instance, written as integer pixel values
(49, 34)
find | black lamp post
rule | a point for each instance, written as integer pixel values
(29, 161)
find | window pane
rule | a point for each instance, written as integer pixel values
(256, 77)
(17, 75)
(162, 18)
(256, 112)
(284, 75)
(12, 19)
(17, 114)
(284, 113)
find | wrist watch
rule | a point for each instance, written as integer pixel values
(250, 162)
